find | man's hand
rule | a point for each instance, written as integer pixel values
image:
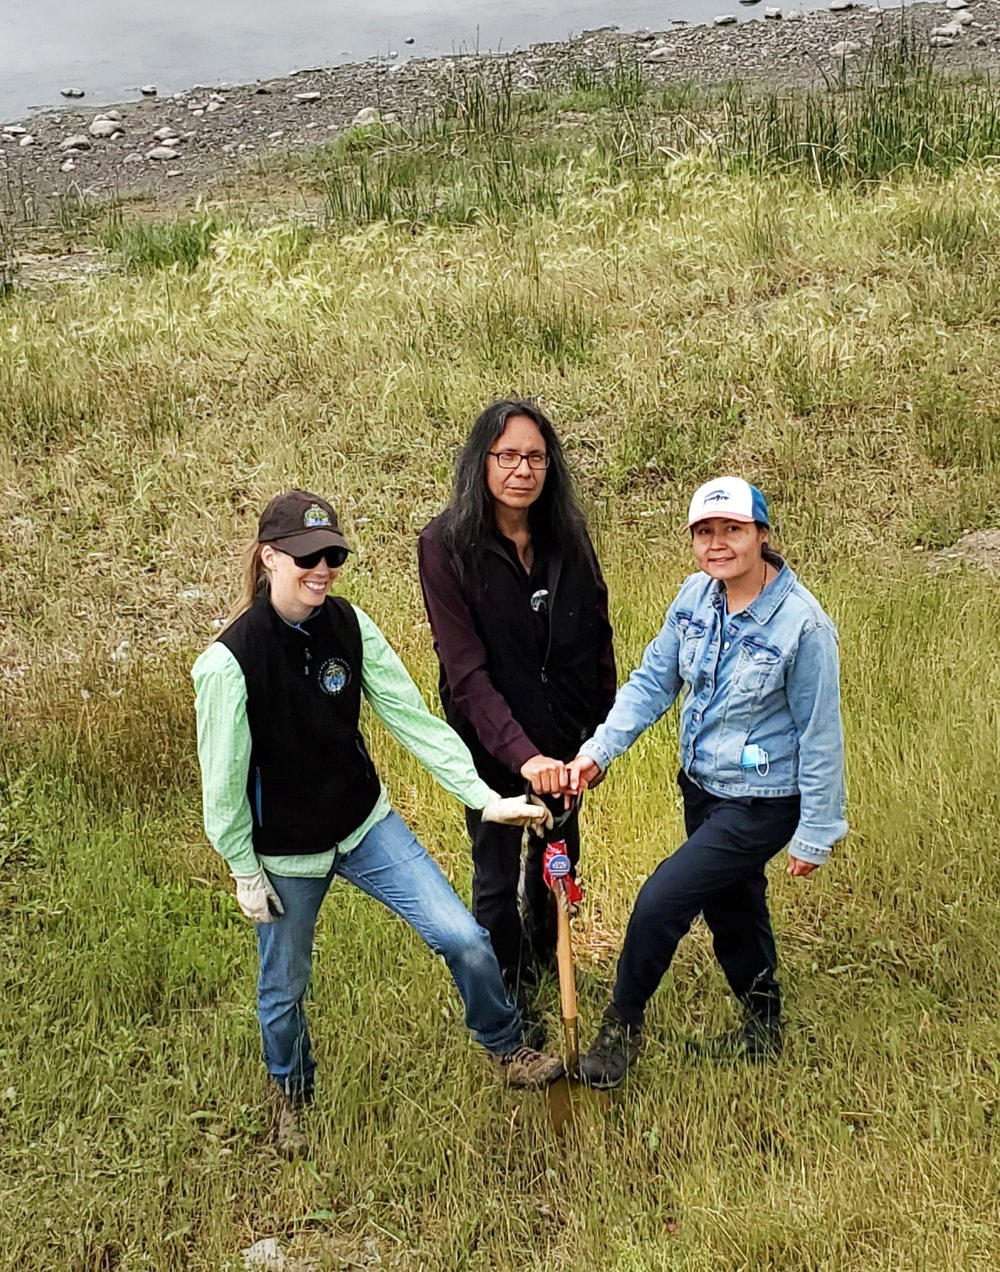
(257, 898)
(515, 810)
(799, 869)
(546, 775)
(583, 773)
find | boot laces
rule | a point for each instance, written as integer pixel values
(523, 1055)
(612, 1036)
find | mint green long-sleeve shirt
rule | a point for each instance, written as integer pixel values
(224, 751)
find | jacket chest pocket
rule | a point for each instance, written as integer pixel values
(757, 665)
(691, 634)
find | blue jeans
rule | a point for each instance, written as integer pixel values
(392, 866)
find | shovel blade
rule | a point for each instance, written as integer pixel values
(572, 1104)
(560, 1101)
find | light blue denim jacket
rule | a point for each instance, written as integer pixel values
(761, 712)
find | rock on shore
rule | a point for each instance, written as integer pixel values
(184, 143)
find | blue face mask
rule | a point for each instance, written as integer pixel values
(755, 757)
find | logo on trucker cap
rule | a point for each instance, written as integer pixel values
(730, 497)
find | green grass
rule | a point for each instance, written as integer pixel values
(142, 246)
(870, 1145)
(623, 88)
(897, 113)
(837, 341)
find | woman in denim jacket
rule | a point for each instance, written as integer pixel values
(762, 766)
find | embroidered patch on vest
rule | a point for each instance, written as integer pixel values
(334, 676)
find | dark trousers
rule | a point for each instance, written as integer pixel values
(719, 872)
(523, 941)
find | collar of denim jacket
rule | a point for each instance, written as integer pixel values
(763, 607)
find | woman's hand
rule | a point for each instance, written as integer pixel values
(257, 898)
(584, 773)
(799, 869)
(547, 776)
(515, 810)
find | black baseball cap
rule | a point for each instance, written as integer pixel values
(299, 523)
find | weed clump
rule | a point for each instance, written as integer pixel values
(155, 245)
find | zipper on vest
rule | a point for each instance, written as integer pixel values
(552, 596)
(305, 669)
(552, 618)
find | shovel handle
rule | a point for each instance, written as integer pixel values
(567, 978)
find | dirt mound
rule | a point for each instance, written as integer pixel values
(976, 547)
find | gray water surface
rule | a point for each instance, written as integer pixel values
(111, 47)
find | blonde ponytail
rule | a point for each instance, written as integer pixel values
(254, 579)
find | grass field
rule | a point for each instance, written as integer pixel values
(686, 298)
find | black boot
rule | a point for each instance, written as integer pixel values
(758, 1039)
(612, 1052)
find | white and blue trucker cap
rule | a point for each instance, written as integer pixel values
(730, 497)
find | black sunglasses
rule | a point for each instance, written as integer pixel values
(335, 558)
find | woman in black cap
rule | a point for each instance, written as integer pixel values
(519, 613)
(292, 798)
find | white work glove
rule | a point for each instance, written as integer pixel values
(515, 810)
(257, 899)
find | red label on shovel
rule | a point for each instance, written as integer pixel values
(556, 867)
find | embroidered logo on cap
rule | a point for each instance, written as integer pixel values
(334, 676)
(315, 516)
(717, 496)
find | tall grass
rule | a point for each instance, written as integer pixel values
(835, 340)
(488, 152)
(900, 113)
(8, 256)
(624, 87)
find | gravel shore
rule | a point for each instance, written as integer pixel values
(172, 147)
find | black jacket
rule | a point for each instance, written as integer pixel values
(518, 678)
(311, 781)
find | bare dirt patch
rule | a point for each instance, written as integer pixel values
(980, 548)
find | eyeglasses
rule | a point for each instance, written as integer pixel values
(512, 459)
(335, 558)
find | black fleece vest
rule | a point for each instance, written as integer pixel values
(311, 781)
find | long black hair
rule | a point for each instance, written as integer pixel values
(555, 516)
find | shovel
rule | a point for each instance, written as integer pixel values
(562, 1094)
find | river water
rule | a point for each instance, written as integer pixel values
(111, 47)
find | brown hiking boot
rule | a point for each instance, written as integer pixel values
(528, 1068)
(289, 1137)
